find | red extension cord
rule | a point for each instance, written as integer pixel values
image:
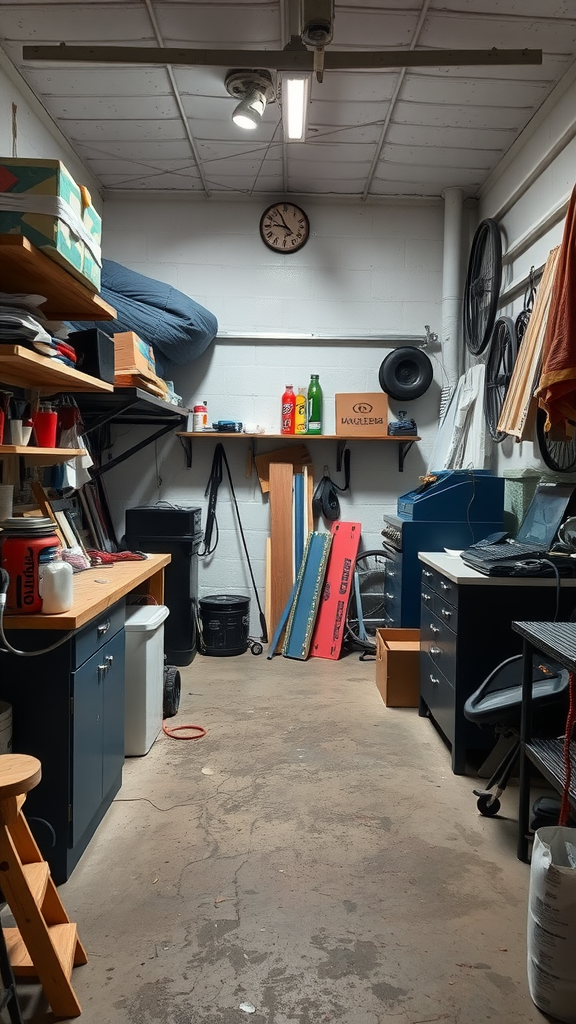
(173, 732)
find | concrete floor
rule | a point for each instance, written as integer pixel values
(312, 856)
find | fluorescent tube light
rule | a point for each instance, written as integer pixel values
(295, 92)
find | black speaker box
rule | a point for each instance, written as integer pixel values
(94, 352)
(176, 522)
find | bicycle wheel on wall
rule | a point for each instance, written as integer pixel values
(559, 456)
(482, 286)
(366, 610)
(499, 366)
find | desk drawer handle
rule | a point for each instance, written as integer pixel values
(103, 629)
(434, 680)
(109, 659)
(435, 652)
(446, 614)
(427, 573)
(434, 629)
(102, 668)
(445, 586)
(389, 595)
(390, 574)
(426, 597)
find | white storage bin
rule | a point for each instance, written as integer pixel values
(144, 687)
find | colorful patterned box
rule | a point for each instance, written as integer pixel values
(40, 200)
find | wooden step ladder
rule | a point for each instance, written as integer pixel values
(45, 943)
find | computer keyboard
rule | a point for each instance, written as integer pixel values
(496, 552)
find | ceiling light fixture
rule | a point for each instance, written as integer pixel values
(254, 89)
(295, 98)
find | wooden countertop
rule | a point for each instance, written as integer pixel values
(92, 596)
(454, 568)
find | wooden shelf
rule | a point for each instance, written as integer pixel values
(221, 435)
(95, 590)
(404, 442)
(40, 456)
(24, 268)
(24, 368)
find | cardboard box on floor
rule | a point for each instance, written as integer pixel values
(398, 667)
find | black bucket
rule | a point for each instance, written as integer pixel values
(225, 623)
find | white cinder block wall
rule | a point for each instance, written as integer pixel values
(367, 268)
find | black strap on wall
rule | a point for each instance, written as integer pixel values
(209, 547)
(325, 499)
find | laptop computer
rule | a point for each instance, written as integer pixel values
(536, 533)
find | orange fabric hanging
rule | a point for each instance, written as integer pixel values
(556, 391)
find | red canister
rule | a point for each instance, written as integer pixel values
(27, 544)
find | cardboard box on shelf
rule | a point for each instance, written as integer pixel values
(132, 355)
(362, 414)
(398, 667)
(40, 200)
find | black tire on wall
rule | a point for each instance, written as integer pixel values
(405, 374)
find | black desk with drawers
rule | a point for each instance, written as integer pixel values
(466, 631)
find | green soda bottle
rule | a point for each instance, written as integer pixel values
(314, 405)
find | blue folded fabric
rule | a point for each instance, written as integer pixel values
(178, 328)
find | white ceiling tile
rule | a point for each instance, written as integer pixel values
(476, 92)
(222, 26)
(454, 115)
(453, 136)
(141, 150)
(87, 81)
(167, 182)
(477, 32)
(345, 114)
(77, 23)
(98, 131)
(323, 153)
(440, 156)
(123, 108)
(373, 28)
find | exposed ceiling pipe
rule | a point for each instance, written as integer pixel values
(452, 286)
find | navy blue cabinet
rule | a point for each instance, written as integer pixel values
(97, 731)
(68, 711)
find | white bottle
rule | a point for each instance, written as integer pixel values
(56, 589)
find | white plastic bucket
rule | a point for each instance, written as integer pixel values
(5, 728)
(144, 677)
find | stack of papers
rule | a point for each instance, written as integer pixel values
(22, 323)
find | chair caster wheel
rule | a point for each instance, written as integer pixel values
(487, 806)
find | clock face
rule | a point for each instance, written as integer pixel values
(284, 227)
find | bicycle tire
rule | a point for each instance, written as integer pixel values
(482, 286)
(499, 367)
(560, 456)
(369, 577)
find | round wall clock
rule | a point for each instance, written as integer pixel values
(284, 227)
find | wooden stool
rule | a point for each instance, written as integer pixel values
(45, 943)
